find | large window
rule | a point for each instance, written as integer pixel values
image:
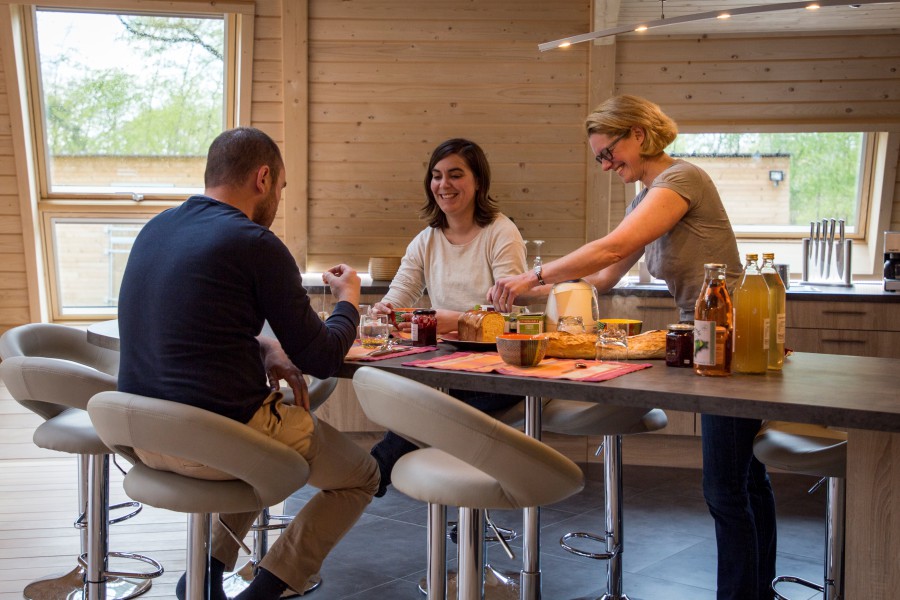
(123, 106)
(775, 184)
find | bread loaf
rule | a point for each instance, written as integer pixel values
(480, 325)
(651, 344)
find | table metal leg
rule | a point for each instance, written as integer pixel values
(530, 579)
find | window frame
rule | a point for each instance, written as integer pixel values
(45, 206)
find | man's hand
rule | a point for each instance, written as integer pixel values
(344, 282)
(279, 366)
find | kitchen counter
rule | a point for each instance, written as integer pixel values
(858, 292)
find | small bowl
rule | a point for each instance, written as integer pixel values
(631, 326)
(521, 350)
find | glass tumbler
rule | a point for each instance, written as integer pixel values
(612, 340)
(374, 331)
(570, 324)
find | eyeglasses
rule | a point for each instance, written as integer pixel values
(606, 153)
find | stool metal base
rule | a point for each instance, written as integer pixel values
(70, 586)
(237, 581)
(498, 585)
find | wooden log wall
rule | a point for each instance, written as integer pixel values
(391, 79)
(359, 92)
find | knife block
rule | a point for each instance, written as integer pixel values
(823, 268)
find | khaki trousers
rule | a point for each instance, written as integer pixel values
(346, 475)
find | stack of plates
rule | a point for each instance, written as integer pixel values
(383, 268)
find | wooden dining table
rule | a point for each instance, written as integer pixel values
(859, 394)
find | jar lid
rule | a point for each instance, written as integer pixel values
(424, 311)
(681, 327)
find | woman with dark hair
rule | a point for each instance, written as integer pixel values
(468, 243)
(467, 246)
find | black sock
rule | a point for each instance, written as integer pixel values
(264, 586)
(217, 591)
(383, 471)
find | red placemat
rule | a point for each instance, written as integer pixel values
(549, 368)
(358, 353)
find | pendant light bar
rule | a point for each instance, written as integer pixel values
(713, 14)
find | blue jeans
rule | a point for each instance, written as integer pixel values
(392, 446)
(740, 500)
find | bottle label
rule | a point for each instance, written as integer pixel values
(765, 334)
(705, 349)
(414, 332)
(779, 328)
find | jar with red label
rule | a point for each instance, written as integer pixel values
(424, 327)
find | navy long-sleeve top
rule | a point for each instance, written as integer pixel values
(200, 281)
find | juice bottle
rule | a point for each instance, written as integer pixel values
(751, 321)
(777, 311)
(712, 324)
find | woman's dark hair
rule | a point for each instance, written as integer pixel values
(485, 207)
(237, 153)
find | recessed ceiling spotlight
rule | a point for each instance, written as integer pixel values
(813, 6)
(724, 16)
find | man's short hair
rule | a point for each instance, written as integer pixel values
(237, 153)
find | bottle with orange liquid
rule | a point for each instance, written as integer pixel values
(713, 324)
(751, 321)
(777, 322)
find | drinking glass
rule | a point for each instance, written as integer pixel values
(374, 331)
(570, 324)
(613, 336)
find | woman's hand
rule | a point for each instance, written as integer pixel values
(506, 289)
(381, 309)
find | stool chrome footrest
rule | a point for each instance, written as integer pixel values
(82, 560)
(564, 542)
(81, 522)
(798, 581)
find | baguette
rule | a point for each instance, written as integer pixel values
(647, 345)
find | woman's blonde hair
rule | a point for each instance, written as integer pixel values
(619, 114)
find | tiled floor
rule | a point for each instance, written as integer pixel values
(669, 541)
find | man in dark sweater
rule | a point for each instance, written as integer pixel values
(200, 282)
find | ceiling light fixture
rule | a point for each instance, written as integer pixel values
(715, 14)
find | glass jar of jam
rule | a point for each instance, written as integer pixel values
(424, 327)
(680, 345)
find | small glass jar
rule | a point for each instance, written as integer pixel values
(424, 327)
(680, 345)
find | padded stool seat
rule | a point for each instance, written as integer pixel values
(822, 452)
(264, 471)
(466, 459)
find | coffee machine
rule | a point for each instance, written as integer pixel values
(892, 261)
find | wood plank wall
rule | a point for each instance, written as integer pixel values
(391, 79)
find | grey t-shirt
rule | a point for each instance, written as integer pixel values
(703, 235)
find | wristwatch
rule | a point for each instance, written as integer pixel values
(537, 272)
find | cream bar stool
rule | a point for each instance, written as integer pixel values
(467, 459)
(820, 451)
(53, 371)
(574, 417)
(254, 470)
(236, 582)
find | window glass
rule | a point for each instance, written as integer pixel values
(129, 103)
(777, 183)
(90, 255)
